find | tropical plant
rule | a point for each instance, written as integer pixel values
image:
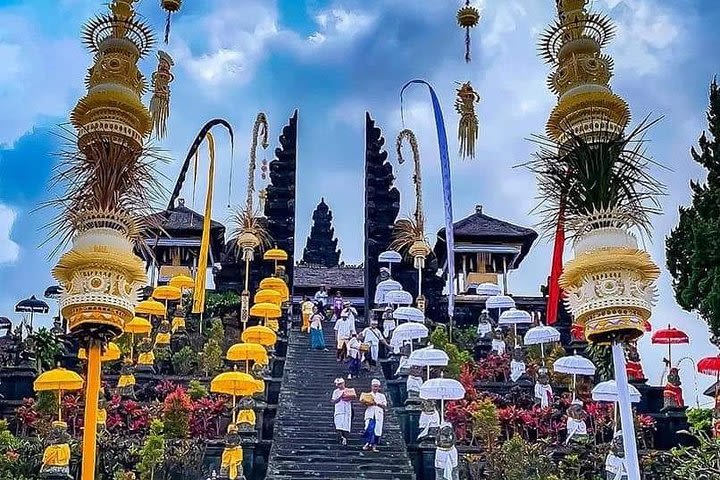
(700, 419)
(693, 247)
(700, 462)
(457, 358)
(485, 425)
(153, 451)
(601, 356)
(19, 458)
(197, 390)
(586, 179)
(177, 409)
(518, 459)
(47, 348)
(184, 361)
(219, 304)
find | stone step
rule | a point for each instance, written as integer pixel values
(305, 444)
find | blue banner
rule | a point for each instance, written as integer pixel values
(447, 188)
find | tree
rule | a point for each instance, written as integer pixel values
(693, 247)
(321, 247)
(153, 451)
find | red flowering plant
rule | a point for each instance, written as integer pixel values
(127, 417)
(205, 418)
(645, 425)
(467, 377)
(72, 409)
(493, 368)
(27, 416)
(459, 413)
(164, 388)
(600, 420)
(177, 409)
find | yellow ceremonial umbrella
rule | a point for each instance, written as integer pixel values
(139, 326)
(276, 255)
(266, 311)
(244, 352)
(151, 307)
(112, 352)
(259, 334)
(167, 292)
(269, 296)
(237, 384)
(277, 284)
(60, 380)
(183, 282)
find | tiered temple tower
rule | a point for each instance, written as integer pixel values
(321, 246)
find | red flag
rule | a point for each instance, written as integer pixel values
(556, 270)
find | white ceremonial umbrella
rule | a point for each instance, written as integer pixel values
(390, 257)
(488, 290)
(574, 365)
(408, 332)
(499, 301)
(428, 357)
(608, 392)
(442, 389)
(398, 297)
(513, 317)
(410, 314)
(541, 335)
(383, 288)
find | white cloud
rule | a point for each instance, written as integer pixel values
(338, 26)
(9, 250)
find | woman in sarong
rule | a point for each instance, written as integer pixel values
(317, 337)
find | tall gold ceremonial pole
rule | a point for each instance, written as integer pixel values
(110, 184)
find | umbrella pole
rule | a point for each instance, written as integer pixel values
(670, 355)
(132, 347)
(442, 411)
(419, 281)
(59, 405)
(428, 372)
(246, 365)
(515, 331)
(542, 352)
(626, 415)
(234, 413)
(574, 385)
(92, 392)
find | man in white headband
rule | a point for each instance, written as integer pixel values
(374, 416)
(342, 398)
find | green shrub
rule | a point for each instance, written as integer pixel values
(197, 390)
(184, 361)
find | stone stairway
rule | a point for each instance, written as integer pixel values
(305, 444)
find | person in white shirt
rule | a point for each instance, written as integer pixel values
(321, 298)
(353, 348)
(373, 337)
(344, 328)
(374, 417)
(343, 410)
(307, 309)
(349, 311)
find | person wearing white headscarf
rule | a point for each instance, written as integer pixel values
(374, 417)
(343, 410)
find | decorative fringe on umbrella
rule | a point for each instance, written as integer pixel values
(468, 128)
(160, 102)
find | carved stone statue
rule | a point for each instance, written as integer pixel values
(672, 393)
(146, 357)
(543, 390)
(634, 367)
(413, 383)
(246, 418)
(615, 463)
(485, 326)
(231, 466)
(126, 381)
(429, 420)
(162, 339)
(446, 455)
(576, 426)
(56, 457)
(498, 346)
(517, 364)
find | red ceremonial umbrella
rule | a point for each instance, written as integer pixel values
(711, 366)
(670, 336)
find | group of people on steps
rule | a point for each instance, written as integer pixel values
(354, 348)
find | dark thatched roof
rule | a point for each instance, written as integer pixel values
(181, 218)
(333, 277)
(483, 229)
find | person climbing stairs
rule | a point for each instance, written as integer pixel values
(305, 443)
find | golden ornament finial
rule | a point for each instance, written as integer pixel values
(468, 17)
(468, 127)
(581, 78)
(170, 6)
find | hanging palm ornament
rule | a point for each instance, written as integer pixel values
(160, 101)
(468, 17)
(170, 6)
(409, 234)
(468, 128)
(250, 233)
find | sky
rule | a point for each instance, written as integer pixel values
(333, 60)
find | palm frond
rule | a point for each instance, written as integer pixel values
(586, 179)
(243, 220)
(105, 176)
(406, 231)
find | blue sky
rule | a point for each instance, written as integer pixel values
(333, 60)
